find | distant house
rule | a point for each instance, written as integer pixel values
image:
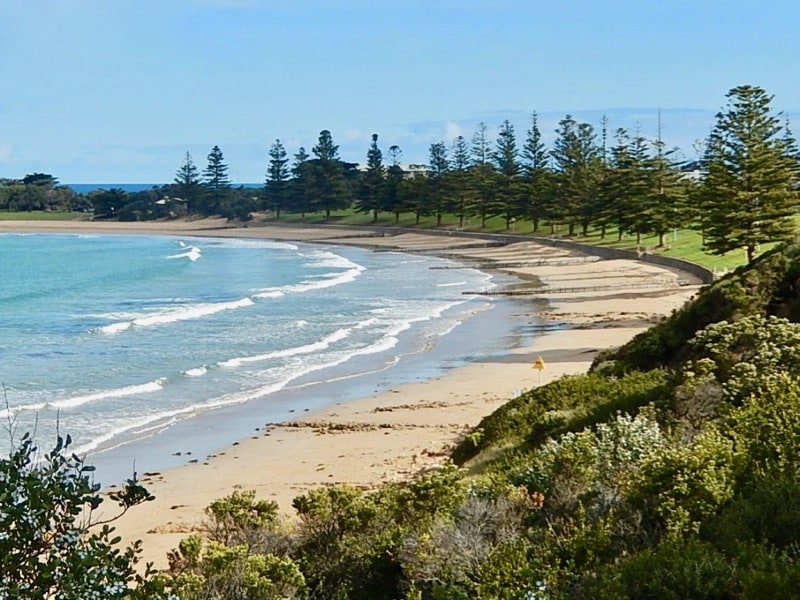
(171, 208)
(414, 169)
(692, 171)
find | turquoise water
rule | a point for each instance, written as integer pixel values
(131, 343)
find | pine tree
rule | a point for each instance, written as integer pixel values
(393, 198)
(577, 160)
(329, 189)
(536, 173)
(370, 190)
(187, 183)
(667, 197)
(437, 180)
(216, 182)
(276, 187)
(458, 178)
(749, 194)
(636, 187)
(506, 159)
(299, 200)
(482, 175)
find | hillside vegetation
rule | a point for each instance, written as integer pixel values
(668, 471)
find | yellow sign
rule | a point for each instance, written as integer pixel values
(539, 364)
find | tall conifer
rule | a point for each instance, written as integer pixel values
(749, 194)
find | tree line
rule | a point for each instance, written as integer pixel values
(612, 183)
(618, 182)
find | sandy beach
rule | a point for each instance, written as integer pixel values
(591, 305)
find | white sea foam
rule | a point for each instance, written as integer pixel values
(193, 253)
(330, 260)
(174, 314)
(197, 372)
(452, 284)
(75, 401)
(321, 282)
(249, 243)
(322, 344)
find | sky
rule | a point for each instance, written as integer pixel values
(117, 91)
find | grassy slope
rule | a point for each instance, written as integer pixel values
(635, 375)
(686, 244)
(41, 216)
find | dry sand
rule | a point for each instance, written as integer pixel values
(592, 305)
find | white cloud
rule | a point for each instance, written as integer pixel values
(452, 130)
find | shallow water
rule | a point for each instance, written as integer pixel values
(135, 344)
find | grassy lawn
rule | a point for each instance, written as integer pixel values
(686, 244)
(41, 216)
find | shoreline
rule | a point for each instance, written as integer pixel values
(393, 434)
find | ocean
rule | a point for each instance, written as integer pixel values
(85, 188)
(140, 347)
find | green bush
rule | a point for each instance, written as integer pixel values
(673, 570)
(767, 512)
(680, 486)
(53, 544)
(568, 404)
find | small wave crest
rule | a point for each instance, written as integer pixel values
(196, 372)
(319, 282)
(322, 344)
(175, 314)
(76, 401)
(193, 253)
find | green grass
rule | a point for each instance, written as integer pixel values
(686, 244)
(40, 216)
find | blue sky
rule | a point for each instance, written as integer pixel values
(116, 91)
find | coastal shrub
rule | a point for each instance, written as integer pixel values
(673, 570)
(453, 550)
(766, 512)
(749, 352)
(346, 544)
(680, 486)
(568, 404)
(54, 541)
(349, 543)
(592, 467)
(694, 568)
(201, 571)
(241, 519)
(766, 428)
